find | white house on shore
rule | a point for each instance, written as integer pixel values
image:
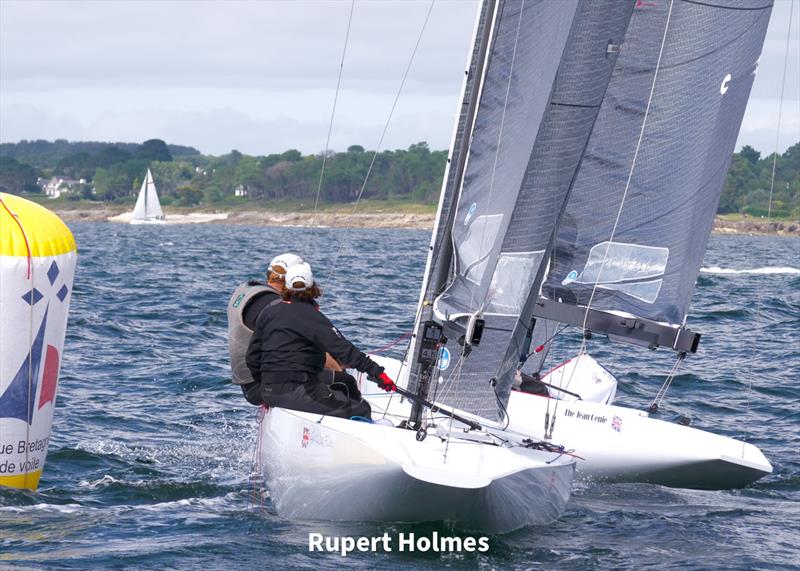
(54, 187)
(241, 190)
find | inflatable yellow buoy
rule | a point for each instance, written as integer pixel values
(37, 265)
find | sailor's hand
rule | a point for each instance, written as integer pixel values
(384, 382)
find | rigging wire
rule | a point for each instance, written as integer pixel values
(262, 411)
(377, 149)
(541, 347)
(383, 135)
(760, 291)
(471, 92)
(630, 173)
(667, 382)
(347, 225)
(333, 114)
(621, 204)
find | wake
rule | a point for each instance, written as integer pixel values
(767, 270)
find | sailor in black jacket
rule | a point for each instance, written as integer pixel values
(244, 307)
(288, 349)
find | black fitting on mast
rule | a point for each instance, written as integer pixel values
(430, 343)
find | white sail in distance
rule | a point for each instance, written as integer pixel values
(147, 208)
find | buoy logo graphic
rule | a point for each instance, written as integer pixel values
(17, 401)
(37, 265)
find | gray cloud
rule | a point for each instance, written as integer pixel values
(259, 76)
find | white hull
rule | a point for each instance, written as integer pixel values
(621, 444)
(148, 221)
(626, 445)
(344, 470)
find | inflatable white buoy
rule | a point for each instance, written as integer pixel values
(37, 265)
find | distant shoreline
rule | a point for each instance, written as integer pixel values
(369, 218)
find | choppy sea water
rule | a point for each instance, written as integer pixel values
(152, 449)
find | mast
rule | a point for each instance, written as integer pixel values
(440, 250)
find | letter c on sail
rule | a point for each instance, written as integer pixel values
(37, 265)
(724, 86)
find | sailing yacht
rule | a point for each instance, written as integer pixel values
(593, 210)
(536, 70)
(148, 208)
(586, 165)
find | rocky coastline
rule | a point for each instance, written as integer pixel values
(376, 219)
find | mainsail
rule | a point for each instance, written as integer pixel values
(147, 205)
(546, 69)
(608, 182)
(641, 209)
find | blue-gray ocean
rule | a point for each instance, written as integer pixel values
(152, 450)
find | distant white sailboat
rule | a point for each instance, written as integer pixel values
(148, 208)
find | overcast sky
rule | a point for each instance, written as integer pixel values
(260, 76)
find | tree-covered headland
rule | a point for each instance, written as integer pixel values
(112, 172)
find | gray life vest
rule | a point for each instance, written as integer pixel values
(239, 335)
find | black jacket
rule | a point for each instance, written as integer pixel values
(293, 337)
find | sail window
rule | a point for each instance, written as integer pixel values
(477, 244)
(646, 291)
(632, 269)
(512, 281)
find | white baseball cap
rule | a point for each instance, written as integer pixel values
(283, 262)
(299, 277)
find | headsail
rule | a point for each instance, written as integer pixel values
(547, 68)
(663, 141)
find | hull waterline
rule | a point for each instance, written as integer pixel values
(343, 470)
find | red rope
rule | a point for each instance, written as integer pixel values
(24, 236)
(392, 344)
